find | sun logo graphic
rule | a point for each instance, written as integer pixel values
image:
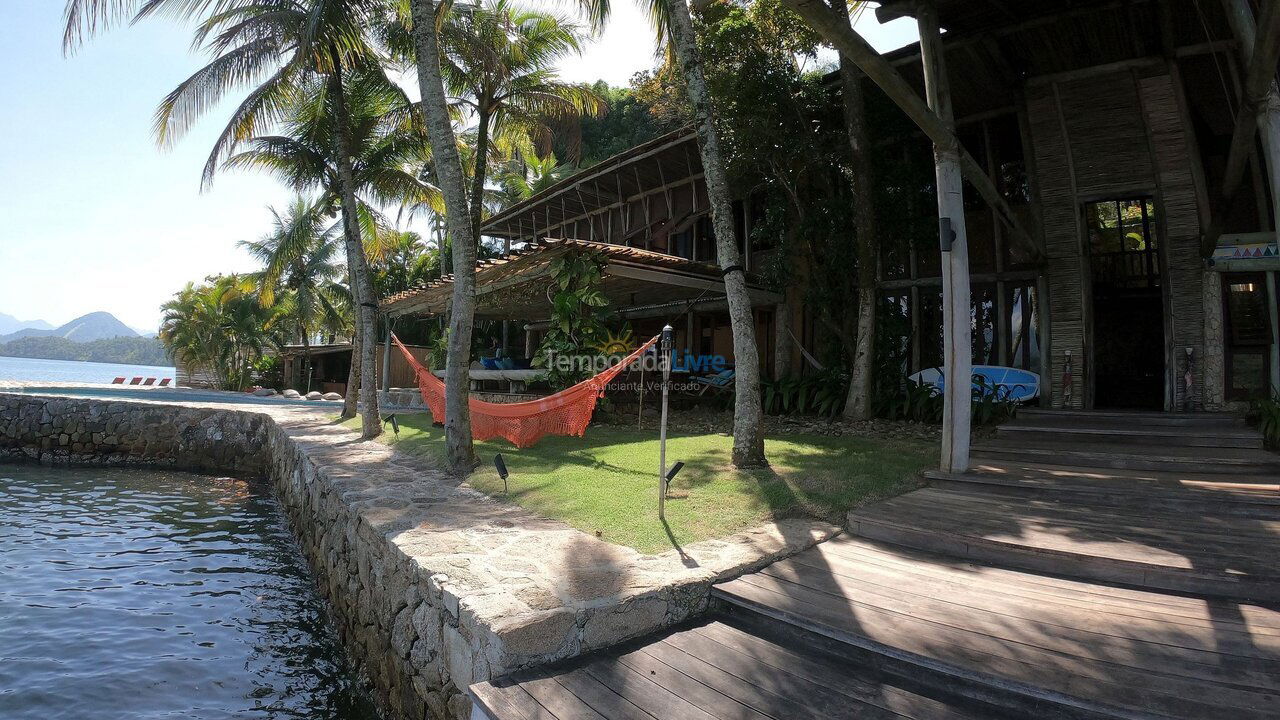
(620, 344)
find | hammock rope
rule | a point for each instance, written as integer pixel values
(567, 412)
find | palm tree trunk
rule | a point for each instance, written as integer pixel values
(349, 407)
(857, 405)
(371, 422)
(482, 167)
(444, 154)
(748, 427)
(306, 363)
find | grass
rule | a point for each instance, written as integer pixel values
(606, 483)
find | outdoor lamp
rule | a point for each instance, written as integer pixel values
(395, 424)
(675, 470)
(501, 466)
(668, 333)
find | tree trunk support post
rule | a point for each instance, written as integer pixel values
(1244, 27)
(957, 350)
(386, 355)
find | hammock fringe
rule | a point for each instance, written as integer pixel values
(567, 412)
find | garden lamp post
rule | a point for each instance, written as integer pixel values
(665, 359)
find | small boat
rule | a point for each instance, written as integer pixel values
(1021, 385)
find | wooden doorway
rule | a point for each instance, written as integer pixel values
(1127, 328)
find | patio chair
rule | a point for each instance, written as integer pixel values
(722, 380)
(135, 381)
(118, 381)
(150, 381)
(164, 382)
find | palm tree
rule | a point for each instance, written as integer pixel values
(499, 65)
(220, 326)
(270, 47)
(674, 24)
(424, 18)
(301, 274)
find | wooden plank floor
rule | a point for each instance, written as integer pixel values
(1127, 653)
(1135, 543)
(711, 670)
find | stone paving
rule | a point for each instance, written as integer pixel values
(459, 586)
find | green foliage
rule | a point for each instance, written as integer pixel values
(124, 350)
(268, 371)
(822, 393)
(1265, 413)
(221, 327)
(921, 403)
(629, 121)
(579, 315)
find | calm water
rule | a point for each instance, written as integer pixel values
(128, 594)
(12, 368)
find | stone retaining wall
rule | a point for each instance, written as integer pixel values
(433, 585)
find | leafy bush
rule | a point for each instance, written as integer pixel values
(917, 402)
(821, 393)
(1265, 413)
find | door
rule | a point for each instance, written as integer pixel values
(1128, 347)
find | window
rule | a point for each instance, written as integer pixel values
(1247, 317)
(1124, 251)
(1024, 328)
(982, 318)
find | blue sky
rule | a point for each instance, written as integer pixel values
(96, 217)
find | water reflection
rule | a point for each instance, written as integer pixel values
(131, 594)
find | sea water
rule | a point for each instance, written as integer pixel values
(147, 594)
(36, 370)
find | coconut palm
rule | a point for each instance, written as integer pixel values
(220, 326)
(270, 48)
(301, 273)
(499, 66)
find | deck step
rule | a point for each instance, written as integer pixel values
(1261, 501)
(1167, 458)
(1132, 418)
(1025, 432)
(1218, 555)
(1036, 646)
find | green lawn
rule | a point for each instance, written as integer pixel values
(606, 482)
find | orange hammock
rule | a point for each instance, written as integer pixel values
(566, 413)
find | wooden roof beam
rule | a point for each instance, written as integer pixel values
(1257, 88)
(849, 43)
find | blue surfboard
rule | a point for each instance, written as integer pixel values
(1020, 385)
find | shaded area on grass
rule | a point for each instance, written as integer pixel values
(607, 482)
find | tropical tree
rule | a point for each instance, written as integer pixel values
(499, 66)
(401, 259)
(674, 25)
(301, 273)
(221, 327)
(270, 48)
(423, 19)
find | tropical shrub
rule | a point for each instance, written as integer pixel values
(821, 393)
(579, 316)
(919, 402)
(220, 327)
(1265, 413)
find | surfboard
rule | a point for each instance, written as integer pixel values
(1021, 385)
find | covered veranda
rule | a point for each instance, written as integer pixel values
(645, 288)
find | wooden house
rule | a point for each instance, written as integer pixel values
(1106, 125)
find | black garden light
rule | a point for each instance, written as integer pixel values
(501, 466)
(395, 424)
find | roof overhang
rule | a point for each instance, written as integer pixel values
(518, 286)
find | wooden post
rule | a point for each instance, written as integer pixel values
(1260, 75)
(957, 341)
(665, 358)
(1245, 28)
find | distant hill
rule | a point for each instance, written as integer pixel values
(10, 324)
(86, 328)
(125, 350)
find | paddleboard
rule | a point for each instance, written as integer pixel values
(1021, 385)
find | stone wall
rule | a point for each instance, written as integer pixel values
(433, 585)
(67, 430)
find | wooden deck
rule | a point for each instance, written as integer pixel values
(1093, 587)
(1103, 650)
(713, 670)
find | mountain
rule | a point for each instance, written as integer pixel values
(86, 328)
(10, 324)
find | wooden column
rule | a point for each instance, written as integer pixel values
(957, 341)
(1244, 27)
(1273, 298)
